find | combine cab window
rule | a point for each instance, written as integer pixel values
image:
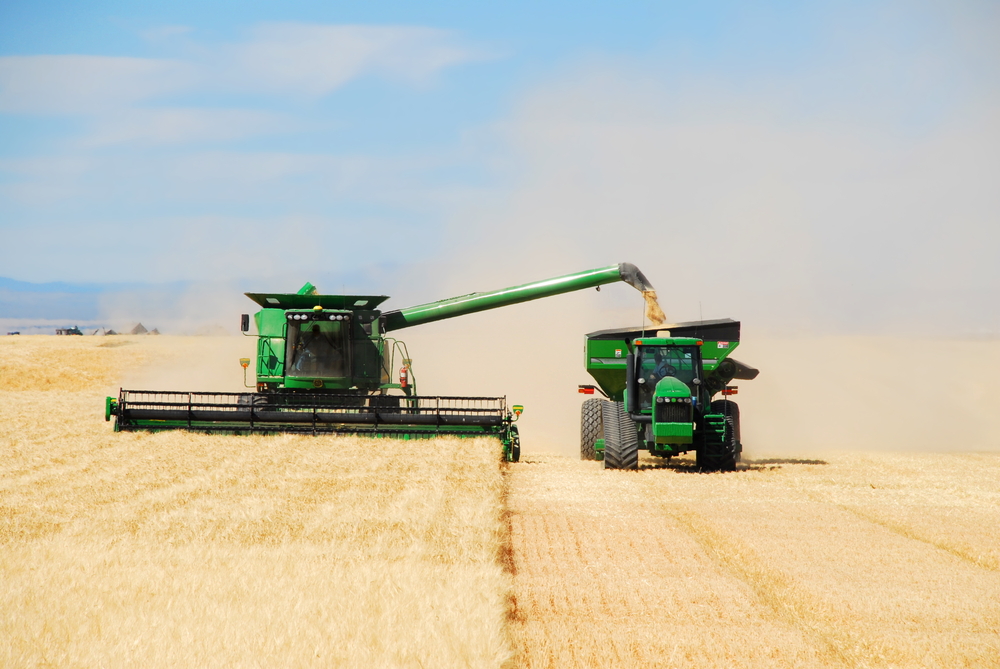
(655, 362)
(318, 349)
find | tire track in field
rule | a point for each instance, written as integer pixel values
(905, 530)
(604, 575)
(772, 589)
(913, 534)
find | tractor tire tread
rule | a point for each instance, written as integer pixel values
(621, 441)
(591, 427)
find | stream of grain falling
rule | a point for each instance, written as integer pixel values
(653, 311)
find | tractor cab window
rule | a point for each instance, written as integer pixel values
(318, 349)
(655, 362)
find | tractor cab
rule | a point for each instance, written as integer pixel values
(672, 363)
(666, 379)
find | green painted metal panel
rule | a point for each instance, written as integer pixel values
(295, 301)
(673, 433)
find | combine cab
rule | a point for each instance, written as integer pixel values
(326, 364)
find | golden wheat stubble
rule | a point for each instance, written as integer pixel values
(180, 549)
(762, 567)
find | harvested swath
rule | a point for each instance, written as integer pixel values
(178, 549)
(881, 560)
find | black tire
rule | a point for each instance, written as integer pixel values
(621, 441)
(591, 427)
(719, 457)
(730, 408)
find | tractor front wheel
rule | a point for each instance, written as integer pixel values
(731, 409)
(719, 457)
(621, 441)
(591, 427)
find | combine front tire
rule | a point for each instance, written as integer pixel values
(621, 441)
(591, 427)
(512, 448)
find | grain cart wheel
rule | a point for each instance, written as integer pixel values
(730, 408)
(591, 427)
(621, 441)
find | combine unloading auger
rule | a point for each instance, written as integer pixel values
(325, 364)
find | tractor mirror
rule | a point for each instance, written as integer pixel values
(245, 323)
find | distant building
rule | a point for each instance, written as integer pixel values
(138, 329)
(68, 331)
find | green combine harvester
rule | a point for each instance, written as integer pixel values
(326, 365)
(659, 391)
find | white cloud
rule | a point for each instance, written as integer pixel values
(178, 125)
(302, 59)
(314, 60)
(162, 34)
(86, 84)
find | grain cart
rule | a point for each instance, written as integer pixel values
(326, 364)
(659, 392)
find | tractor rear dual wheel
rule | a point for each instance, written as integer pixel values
(591, 427)
(621, 441)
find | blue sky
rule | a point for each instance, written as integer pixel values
(812, 164)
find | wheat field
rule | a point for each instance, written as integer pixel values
(881, 560)
(179, 549)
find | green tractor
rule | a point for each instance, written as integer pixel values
(326, 364)
(659, 392)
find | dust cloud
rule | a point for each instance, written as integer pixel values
(815, 393)
(199, 308)
(848, 393)
(756, 207)
(195, 363)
